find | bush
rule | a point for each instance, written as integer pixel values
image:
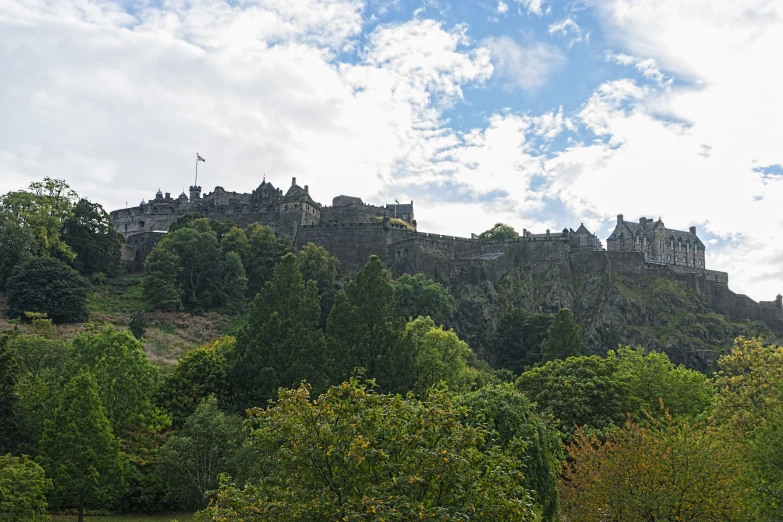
(23, 488)
(47, 285)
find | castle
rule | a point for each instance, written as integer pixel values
(353, 230)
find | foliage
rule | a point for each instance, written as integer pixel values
(161, 288)
(138, 324)
(318, 265)
(516, 344)
(10, 364)
(578, 391)
(200, 373)
(364, 331)
(206, 446)
(78, 450)
(126, 378)
(17, 245)
(89, 233)
(765, 459)
(264, 252)
(512, 424)
(416, 295)
(47, 285)
(281, 344)
(439, 357)
(748, 385)
(357, 455)
(498, 232)
(23, 488)
(563, 338)
(669, 470)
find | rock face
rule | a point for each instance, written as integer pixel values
(658, 310)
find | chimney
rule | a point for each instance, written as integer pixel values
(779, 301)
(619, 218)
(642, 221)
(307, 189)
(168, 195)
(693, 230)
(547, 233)
(293, 181)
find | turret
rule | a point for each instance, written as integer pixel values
(779, 301)
(195, 193)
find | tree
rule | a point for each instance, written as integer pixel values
(10, 364)
(364, 331)
(206, 446)
(668, 470)
(513, 425)
(88, 231)
(264, 252)
(42, 209)
(49, 286)
(580, 391)
(235, 240)
(234, 283)
(17, 245)
(201, 262)
(416, 295)
(318, 265)
(563, 338)
(138, 324)
(23, 488)
(281, 343)
(125, 377)
(439, 356)
(201, 372)
(499, 232)
(516, 344)
(78, 450)
(160, 286)
(353, 454)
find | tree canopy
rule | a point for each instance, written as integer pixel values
(498, 232)
(48, 285)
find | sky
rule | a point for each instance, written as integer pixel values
(536, 113)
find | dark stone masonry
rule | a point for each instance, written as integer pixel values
(352, 230)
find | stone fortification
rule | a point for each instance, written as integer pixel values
(352, 230)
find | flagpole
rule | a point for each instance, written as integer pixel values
(195, 182)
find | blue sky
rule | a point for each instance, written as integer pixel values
(538, 113)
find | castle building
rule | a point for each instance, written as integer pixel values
(657, 243)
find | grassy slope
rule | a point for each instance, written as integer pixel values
(168, 335)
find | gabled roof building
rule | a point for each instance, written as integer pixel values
(658, 244)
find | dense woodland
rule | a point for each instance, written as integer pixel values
(341, 396)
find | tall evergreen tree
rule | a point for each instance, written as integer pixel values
(365, 332)
(78, 450)
(281, 344)
(516, 344)
(47, 285)
(563, 339)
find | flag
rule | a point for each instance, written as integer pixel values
(199, 158)
(396, 201)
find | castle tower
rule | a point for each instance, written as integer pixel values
(195, 193)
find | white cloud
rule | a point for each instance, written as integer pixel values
(686, 151)
(565, 26)
(533, 6)
(523, 67)
(502, 7)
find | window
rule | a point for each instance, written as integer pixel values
(582, 240)
(669, 258)
(661, 244)
(141, 224)
(676, 258)
(688, 247)
(699, 263)
(645, 241)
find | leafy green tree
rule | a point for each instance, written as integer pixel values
(23, 488)
(264, 252)
(201, 372)
(668, 470)
(47, 285)
(439, 356)
(499, 231)
(234, 283)
(202, 268)
(516, 344)
(186, 221)
(43, 209)
(236, 241)
(578, 391)
(357, 455)
(206, 446)
(652, 378)
(513, 425)
(88, 231)
(765, 459)
(125, 376)
(160, 286)
(563, 339)
(10, 364)
(318, 265)
(78, 450)
(364, 331)
(416, 295)
(138, 324)
(281, 343)
(17, 244)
